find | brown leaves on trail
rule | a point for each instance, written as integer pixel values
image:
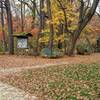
(8, 61)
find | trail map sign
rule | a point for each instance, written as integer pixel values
(22, 43)
(22, 40)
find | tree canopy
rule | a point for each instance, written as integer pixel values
(55, 20)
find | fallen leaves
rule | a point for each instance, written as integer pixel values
(8, 61)
(59, 82)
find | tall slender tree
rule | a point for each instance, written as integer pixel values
(3, 31)
(51, 25)
(22, 17)
(10, 27)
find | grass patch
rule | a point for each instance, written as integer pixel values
(75, 82)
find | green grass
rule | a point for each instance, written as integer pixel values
(75, 82)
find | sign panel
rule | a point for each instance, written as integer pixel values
(22, 43)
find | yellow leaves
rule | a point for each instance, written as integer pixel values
(61, 37)
(48, 22)
(58, 15)
(56, 21)
(44, 9)
(57, 38)
(44, 39)
(45, 31)
(87, 30)
(73, 27)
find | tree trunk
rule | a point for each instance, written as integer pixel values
(83, 21)
(51, 26)
(72, 45)
(33, 11)
(41, 26)
(42, 15)
(65, 25)
(10, 27)
(3, 32)
(22, 17)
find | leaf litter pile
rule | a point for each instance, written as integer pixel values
(73, 82)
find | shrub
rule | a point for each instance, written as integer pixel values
(98, 49)
(1, 48)
(84, 48)
(98, 44)
(47, 53)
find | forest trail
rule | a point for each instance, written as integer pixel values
(8, 92)
(9, 61)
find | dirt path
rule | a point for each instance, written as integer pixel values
(8, 61)
(8, 71)
(7, 92)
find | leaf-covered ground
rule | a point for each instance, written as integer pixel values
(73, 82)
(8, 61)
